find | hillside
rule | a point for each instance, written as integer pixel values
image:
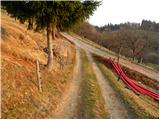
(85, 80)
(118, 97)
(131, 40)
(20, 49)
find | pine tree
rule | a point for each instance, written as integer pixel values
(50, 15)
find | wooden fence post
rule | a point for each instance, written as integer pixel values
(38, 75)
(119, 77)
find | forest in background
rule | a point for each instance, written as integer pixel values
(137, 41)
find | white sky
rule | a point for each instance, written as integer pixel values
(120, 11)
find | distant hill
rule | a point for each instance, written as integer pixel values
(146, 25)
(109, 37)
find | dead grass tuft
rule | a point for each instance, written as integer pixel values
(140, 105)
(20, 95)
(92, 102)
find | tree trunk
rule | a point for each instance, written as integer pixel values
(140, 60)
(49, 45)
(30, 24)
(119, 52)
(134, 57)
(53, 32)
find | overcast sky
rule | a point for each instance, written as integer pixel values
(120, 11)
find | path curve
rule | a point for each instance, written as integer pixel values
(150, 73)
(113, 104)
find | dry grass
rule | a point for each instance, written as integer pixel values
(90, 42)
(20, 95)
(18, 43)
(142, 106)
(148, 82)
(92, 102)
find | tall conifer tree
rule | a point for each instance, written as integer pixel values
(50, 15)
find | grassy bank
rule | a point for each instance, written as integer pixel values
(20, 95)
(142, 108)
(92, 102)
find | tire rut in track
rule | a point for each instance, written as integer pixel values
(113, 104)
(68, 108)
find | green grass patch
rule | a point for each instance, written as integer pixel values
(92, 102)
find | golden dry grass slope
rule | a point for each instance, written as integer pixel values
(20, 49)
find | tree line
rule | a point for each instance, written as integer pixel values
(146, 25)
(128, 39)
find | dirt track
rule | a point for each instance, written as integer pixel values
(151, 74)
(114, 105)
(68, 107)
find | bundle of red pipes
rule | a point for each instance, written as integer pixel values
(131, 84)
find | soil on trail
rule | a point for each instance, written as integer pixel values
(68, 107)
(113, 104)
(143, 70)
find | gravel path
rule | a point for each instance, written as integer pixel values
(113, 104)
(116, 108)
(68, 108)
(150, 73)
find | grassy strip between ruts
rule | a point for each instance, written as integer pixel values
(134, 102)
(92, 102)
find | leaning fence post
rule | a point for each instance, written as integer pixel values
(119, 76)
(38, 75)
